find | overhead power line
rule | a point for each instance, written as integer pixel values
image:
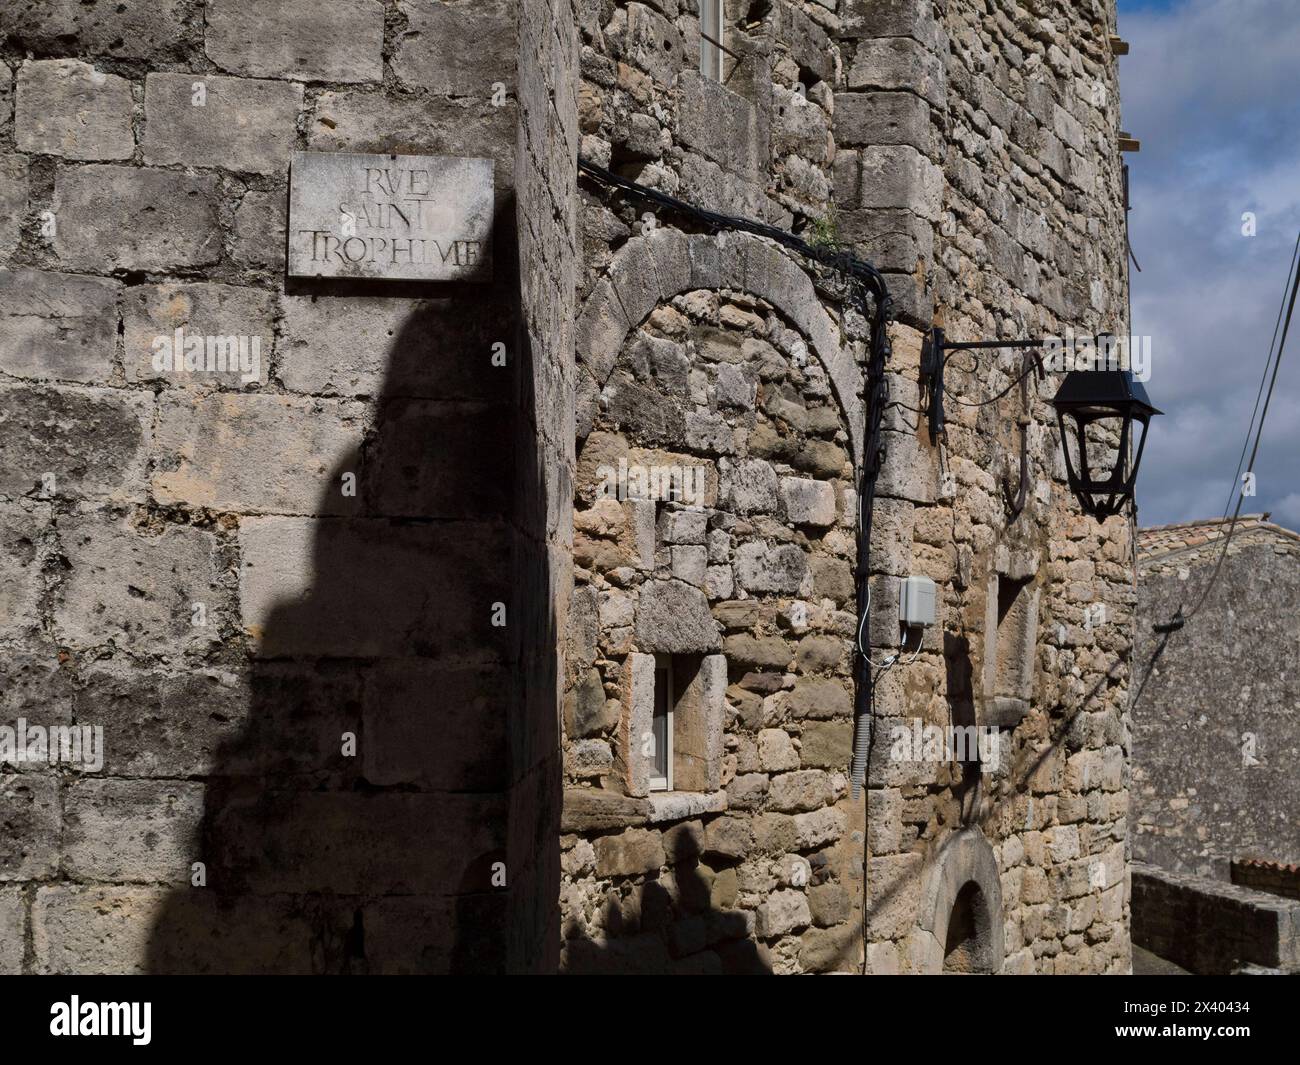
(1293, 277)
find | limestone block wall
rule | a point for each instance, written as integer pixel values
(275, 592)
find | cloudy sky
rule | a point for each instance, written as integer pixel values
(1212, 90)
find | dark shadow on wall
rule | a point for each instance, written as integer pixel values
(433, 847)
(669, 925)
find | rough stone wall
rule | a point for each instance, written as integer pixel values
(988, 183)
(183, 565)
(1215, 735)
(716, 355)
(973, 158)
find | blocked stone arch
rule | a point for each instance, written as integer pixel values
(651, 269)
(961, 885)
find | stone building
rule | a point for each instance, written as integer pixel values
(1216, 815)
(510, 624)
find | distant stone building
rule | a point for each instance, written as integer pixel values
(1216, 732)
(511, 626)
(1216, 813)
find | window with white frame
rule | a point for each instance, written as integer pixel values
(711, 38)
(661, 730)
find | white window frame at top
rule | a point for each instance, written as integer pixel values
(711, 22)
(664, 683)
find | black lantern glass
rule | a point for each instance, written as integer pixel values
(1088, 401)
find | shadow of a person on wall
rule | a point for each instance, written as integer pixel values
(674, 925)
(358, 820)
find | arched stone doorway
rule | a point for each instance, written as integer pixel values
(960, 924)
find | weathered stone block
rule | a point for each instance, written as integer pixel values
(763, 567)
(750, 486)
(894, 893)
(154, 31)
(29, 846)
(673, 617)
(20, 578)
(363, 121)
(374, 843)
(456, 49)
(368, 345)
(899, 63)
(770, 652)
(593, 810)
(831, 949)
(588, 759)
(410, 708)
(299, 39)
(654, 44)
(242, 125)
(13, 931)
(100, 208)
(58, 327)
(826, 744)
(729, 837)
(433, 459)
(720, 124)
(867, 118)
(126, 831)
(698, 726)
(819, 698)
(586, 710)
(808, 502)
(213, 452)
(782, 912)
(300, 593)
(68, 108)
(630, 853)
(798, 792)
(888, 18)
(900, 176)
(14, 189)
(234, 327)
(115, 930)
(776, 750)
(136, 587)
(93, 442)
(829, 903)
(817, 827)
(259, 234)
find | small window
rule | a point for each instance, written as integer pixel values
(711, 39)
(661, 753)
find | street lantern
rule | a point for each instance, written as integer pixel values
(1090, 400)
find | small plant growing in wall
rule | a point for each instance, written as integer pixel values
(824, 232)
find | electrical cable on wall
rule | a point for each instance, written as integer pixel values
(867, 289)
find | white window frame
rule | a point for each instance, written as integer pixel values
(711, 22)
(664, 676)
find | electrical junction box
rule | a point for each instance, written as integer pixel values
(916, 601)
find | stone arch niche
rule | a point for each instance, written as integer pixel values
(650, 270)
(713, 354)
(960, 926)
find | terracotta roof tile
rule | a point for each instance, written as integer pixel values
(1160, 540)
